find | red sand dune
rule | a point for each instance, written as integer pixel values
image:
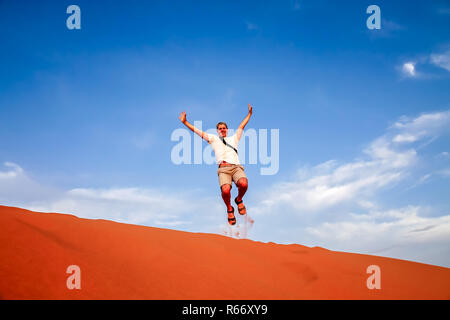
(122, 261)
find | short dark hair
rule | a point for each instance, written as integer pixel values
(217, 125)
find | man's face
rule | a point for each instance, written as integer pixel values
(222, 130)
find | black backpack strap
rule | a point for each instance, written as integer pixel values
(225, 143)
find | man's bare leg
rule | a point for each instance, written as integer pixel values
(242, 185)
(226, 196)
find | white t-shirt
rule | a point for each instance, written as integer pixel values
(222, 151)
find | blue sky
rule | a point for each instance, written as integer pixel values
(363, 116)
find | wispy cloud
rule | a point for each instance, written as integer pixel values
(423, 179)
(445, 172)
(13, 171)
(16, 186)
(437, 59)
(251, 26)
(385, 229)
(337, 203)
(296, 5)
(146, 206)
(441, 60)
(385, 161)
(443, 10)
(445, 155)
(389, 29)
(144, 140)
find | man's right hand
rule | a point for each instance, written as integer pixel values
(183, 117)
(202, 134)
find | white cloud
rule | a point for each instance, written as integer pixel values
(405, 138)
(331, 184)
(338, 207)
(147, 206)
(426, 126)
(409, 69)
(17, 187)
(13, 172)
(387, 160)
(383, 229)
(441, 60)
(144, 206)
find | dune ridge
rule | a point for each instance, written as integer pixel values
(123, 261)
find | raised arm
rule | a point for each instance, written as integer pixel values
(202, 134)
(244, 122)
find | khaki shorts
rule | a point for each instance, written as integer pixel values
(230, 173)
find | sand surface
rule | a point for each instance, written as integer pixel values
(123, 261)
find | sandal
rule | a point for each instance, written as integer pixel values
(242, 210)
(232, 221)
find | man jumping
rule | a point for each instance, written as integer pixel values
(225, 150)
